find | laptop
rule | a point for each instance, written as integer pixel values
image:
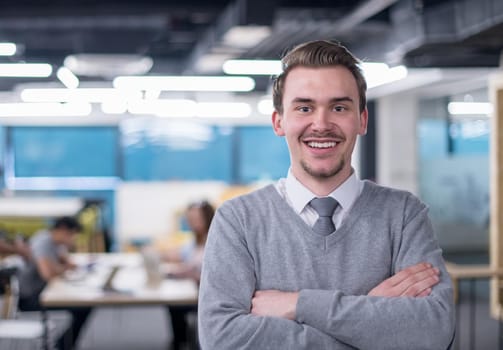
(108, 285)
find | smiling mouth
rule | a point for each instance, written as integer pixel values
(328, 144)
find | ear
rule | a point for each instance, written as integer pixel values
(364, 119)
(277, 123)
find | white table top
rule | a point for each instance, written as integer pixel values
(85, 289)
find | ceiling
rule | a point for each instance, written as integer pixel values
(194, 36)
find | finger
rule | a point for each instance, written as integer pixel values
(417, 278)
(420, 286)
(413, 279)
(405, 273)
(424, 293)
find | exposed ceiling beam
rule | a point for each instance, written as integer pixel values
(241, 15)
(361, 13)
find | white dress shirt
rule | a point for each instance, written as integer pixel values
(298, 197)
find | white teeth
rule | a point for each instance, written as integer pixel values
(321, 144)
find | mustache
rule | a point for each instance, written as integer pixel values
(328, 134)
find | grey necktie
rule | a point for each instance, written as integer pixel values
(325, 208)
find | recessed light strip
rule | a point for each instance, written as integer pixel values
(470, 108)
(78, 95)
(252, 67)
(25, 70)
(8, 49)
(181, 108)
(67, 77)
(185, 83)
(45, 109)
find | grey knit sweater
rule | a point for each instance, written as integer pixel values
(258, 242)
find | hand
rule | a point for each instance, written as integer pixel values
(275, 303)
(414, 281)
(68, 265)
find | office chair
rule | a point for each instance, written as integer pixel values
(26, 330)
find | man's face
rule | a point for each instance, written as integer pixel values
(66, 236)
(321, 120)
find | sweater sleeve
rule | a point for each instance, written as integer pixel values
(227, 286)
(389, 323)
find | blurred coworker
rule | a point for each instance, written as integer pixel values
(50, 259)
(190, 257)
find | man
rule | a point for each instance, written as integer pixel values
(278, 275)
(49, 260)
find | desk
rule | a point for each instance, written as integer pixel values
(130, 283)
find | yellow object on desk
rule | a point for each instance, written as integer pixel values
(173, 241)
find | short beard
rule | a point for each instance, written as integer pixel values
(323, 174)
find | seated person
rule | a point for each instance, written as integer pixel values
(189, 257)
(49, 260)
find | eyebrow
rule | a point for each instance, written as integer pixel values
(332, 100)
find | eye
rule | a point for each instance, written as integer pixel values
(340, 108)
(304, 109)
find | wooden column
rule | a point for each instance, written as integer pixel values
(496, 191)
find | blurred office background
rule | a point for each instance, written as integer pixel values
(87, 127)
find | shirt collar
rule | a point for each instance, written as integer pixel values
(300, 196)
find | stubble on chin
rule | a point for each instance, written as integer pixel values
(323, 174)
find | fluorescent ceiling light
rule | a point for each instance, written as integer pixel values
(469, 108)
(114, 107)
(25, 70)
(377, 74)
(181, 108)
(185, 83)
(45, 109)
(164, 108)
(152, 94)
(265, 106)
(253, 67)
(77, 95)
(67, 77)
(8, 49)
(108, 65)
(223, 110)
(246, 37)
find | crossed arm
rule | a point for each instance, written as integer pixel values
(411, 309)
(415, 281)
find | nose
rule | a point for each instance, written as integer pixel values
(321, 120)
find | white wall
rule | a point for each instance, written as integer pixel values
(396, 138)
(149, 209)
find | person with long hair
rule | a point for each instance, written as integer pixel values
(190, 257)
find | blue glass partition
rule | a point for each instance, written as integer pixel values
(64, 151)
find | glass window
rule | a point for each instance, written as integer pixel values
(178, 151)
(262, 154)
(64, 151)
